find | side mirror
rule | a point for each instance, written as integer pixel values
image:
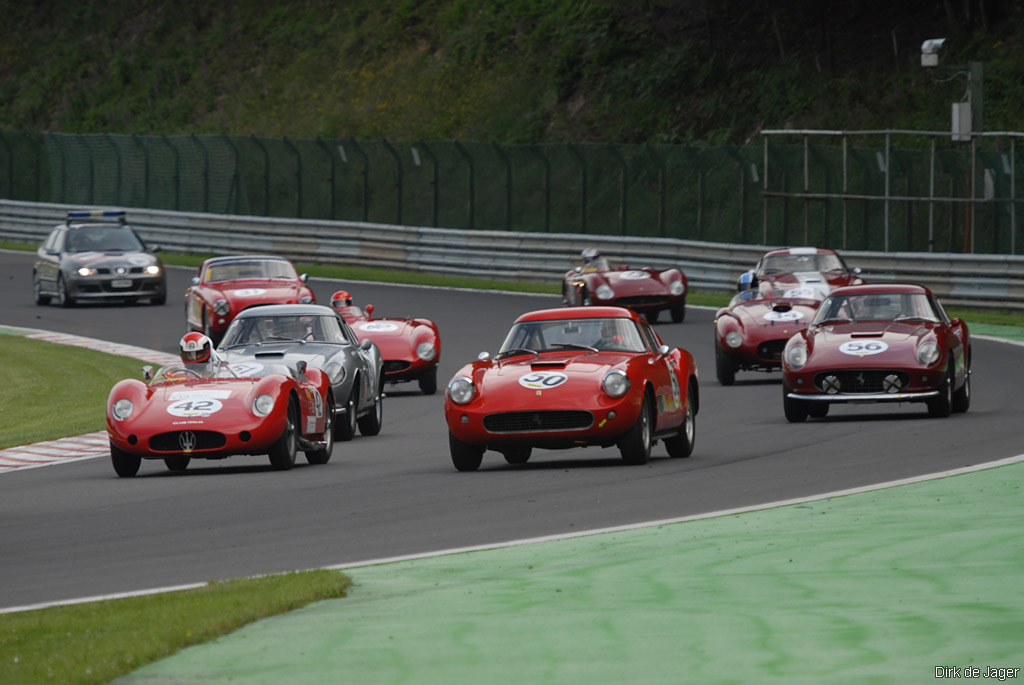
(366, 344)
(155, 248)
(369, 310)
(857, 270)
(664, 350)
(484, 356)
(300, 367)
(746, 281)
(195, 280)
(147, 373)
(303, 277)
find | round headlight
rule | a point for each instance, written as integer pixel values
(122, 409)
(86, 271)
(221, 307)
(928, 353)
(426, 351)
(305, 299)
(734, 339)
(461, 390)
(796, 356)
(676, 288)
(153, 269)
(262, 405)
(615, 383)
(604, 292)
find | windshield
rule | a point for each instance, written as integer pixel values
(586, 334)
(180, 373)
(249, 330)
(250, 269)
(102, 239)
(878, 307)
(792, 263)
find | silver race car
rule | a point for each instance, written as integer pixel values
(317, 335)
(94, 261)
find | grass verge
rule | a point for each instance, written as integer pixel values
(99, 641)
(58, 390)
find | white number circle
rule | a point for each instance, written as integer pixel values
(634, 275)
(859, 348)
(250, 292)
(791, 315)
(543, 380)
(245, 369)
(801, 294)
(378, 326)
(186, 408)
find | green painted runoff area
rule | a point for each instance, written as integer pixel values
(883, 586)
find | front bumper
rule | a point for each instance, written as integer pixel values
(116, 288)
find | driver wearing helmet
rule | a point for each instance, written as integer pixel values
(197, 353)
(593, 261)
(341, 302)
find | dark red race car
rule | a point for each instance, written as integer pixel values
(225, 286)
(574, 377)
(777, 299)
(647, 290)
(878, 343)
(411, 348)
(215, 410)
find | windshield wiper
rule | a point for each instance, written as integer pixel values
(826, 322)
(518, 350)
(924, 319)
(575, 346)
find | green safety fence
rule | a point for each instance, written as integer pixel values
(692, 192)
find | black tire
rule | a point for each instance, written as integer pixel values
(208, 330)
(64, 299)
(795, 410)
(159, 300)
(652, 316)
(125, 465)
(371, 423)
(962, 397)
(725, 366)
(940, 407)
(428, 382)
(37, 292)
(345, 429)
(283, 451)
(323, 455)
(517, 455)
(817, 410)
(681, 445)
(465, 457)
(635, 445)
(678, 313)
(177, 463)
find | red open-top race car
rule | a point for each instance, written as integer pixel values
(571, 378)
(647, 290)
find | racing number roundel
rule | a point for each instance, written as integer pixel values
(543, 380)
(863, 348)
(194, 407)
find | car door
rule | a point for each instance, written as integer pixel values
(48, 260)
(664, 375)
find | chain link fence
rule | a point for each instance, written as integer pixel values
(818, 193)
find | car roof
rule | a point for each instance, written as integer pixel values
(243, 258)
(578, 313)
(800, 250)
(882, 289)
(76, 227)
(286, 310)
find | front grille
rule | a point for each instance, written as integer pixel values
(771, 350)
(134, 287)
(394, 366)
(532, 421)
(638, 300)
(861, 382)
(172, 441)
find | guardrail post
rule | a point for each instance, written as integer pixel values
(366, 177)
(298, 176)
(624, 176)
(660, 161)
(398, 174)
(472, 182)
(433, 182)
(117, 182)
(266, 173)
(583, 187)
(330, 178)
(508, 185)
(39, 166)
(236, 180)
(206, 173)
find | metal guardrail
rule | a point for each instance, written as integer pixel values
(984, 281)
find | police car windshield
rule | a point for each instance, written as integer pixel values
(102, 239)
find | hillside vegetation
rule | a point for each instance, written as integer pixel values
(510, 71)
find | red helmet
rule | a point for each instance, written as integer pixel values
(341, 299)
(196, 348)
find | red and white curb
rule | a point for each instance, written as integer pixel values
(90, 445)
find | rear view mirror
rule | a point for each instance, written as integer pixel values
(147, 373)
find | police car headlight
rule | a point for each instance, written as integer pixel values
(928, 353)
(676, 288)
(426, 351)
(122, 409)
(615, 383)
(734, 339)
(153, 269)
(86, 271)
(263, 405)
(461, 390)
(221, 307)
(796, 356)
(604, 292)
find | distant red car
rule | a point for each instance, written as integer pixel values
(574, 377)
(647, 290)
(411, 348)
(225, 286)
(215, 410)
(878, 343)
(777, 299)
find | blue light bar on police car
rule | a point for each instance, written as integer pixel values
(96, 213)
